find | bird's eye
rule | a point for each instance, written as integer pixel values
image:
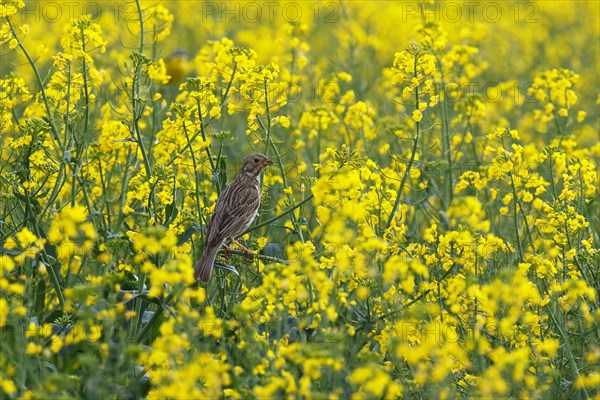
(256, 159)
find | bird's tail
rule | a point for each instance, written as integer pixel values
(204, 266)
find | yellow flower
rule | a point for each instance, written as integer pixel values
(261, 242)
(284, 121)
(25, 237)
(362, 293)
(7, 385)
(56, 344)
(33, 348)
(417, 116)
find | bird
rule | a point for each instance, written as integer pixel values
(176, 65)
(234, 212)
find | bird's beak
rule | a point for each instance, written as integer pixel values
(266, 162)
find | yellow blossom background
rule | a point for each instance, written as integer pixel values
(429, 227)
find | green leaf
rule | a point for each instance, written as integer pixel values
(230, 268)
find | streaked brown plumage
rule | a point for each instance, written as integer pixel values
(236, 208)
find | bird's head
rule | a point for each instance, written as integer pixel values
(254, 165)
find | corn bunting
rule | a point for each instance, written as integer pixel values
(236, 208)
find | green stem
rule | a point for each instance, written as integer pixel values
(55, 282)
(268, 111)
(566, 345)
(141, 18)
(254, 255)
(124, 184)
(410, 162)
(137, 115)
(213, 167)
(157, 314)
(283, 214)
(270, 142)
(195, 165)
(85, 87)
(446, 140)
(50, 120)
(516, 218)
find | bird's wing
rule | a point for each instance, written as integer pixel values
(235, 210)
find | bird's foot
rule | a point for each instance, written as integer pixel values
(248, 255)
(226, 251)
(238, 244)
